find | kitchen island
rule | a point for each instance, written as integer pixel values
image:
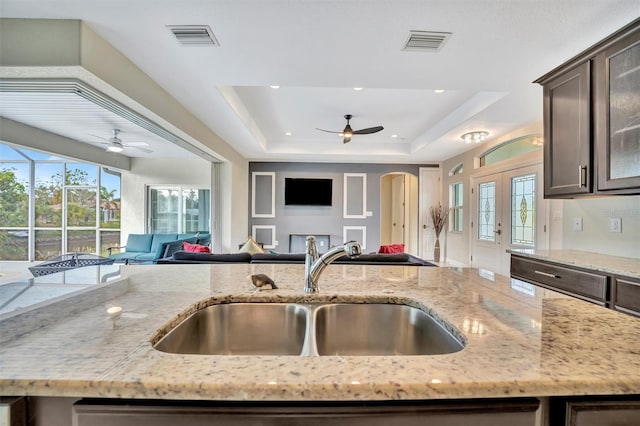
(520, 341)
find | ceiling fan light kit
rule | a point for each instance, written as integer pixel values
(475, 137)
(114, 147)
(115, 143)
(347, 133)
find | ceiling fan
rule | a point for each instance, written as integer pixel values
(348, 132)
(115, 144)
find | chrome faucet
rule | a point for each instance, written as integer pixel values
(315, 264)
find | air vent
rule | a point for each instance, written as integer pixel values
(194, 35)
(425, 41)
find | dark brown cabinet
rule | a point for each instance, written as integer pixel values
(507, 412)
(592, 120)
(603, 413)
(626, 295)
(617, 123)
(567, 133)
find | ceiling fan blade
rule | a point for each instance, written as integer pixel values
(368, 130)
(99, 137)
(328, 131)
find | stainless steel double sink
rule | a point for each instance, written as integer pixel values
(309, 330)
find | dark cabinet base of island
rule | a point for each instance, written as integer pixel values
(517, 412)
(547, 411)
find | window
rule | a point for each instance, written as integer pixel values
(59, 210)
(178, 209)
(510, 149)
(14, 210)
(458, 169)
(456, 203)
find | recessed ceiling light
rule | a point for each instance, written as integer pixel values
(357, 89)
(394, 136)
(274, 86)
(439, 90)
(288, 134)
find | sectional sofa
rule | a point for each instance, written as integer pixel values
(184, 257)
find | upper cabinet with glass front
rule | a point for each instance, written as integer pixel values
(617, 119)
(592, 120)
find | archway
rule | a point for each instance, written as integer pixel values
(399, 210)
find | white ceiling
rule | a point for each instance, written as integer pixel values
(318, 50)
(75, 117)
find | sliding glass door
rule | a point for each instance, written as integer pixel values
(178, 209)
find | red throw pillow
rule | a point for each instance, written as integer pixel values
(391, 248)
(195, 248)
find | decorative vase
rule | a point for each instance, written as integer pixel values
(436, 251)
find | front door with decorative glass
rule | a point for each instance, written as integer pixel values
(509, 212)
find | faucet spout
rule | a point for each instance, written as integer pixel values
(314, 270)
(309, 259)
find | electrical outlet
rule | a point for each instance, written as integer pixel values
(577, 224)
(615, 224)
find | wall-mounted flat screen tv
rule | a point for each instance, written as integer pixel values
(307, 192)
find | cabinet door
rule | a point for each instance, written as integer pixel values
(603, 413)
(567, 133)
(626, 295)
(617, 109)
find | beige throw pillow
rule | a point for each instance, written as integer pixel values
(251, 246)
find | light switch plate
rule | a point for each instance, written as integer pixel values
(615, 224)
(577, 224)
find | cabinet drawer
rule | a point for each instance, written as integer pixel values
(574, 281)
(626, 295)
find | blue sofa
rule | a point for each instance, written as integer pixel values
(148, 248)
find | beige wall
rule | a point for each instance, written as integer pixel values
(146, 172)
(197, 173)
(595, 236)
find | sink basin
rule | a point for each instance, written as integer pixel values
(380, 329)
(240, 329)
(309, 330)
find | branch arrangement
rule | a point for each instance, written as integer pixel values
(439, 219)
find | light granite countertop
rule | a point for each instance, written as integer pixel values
(616, 265)
(520, 340)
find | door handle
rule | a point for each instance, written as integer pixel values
(582, 175)
(499, 232)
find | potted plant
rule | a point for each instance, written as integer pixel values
(439, 219)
